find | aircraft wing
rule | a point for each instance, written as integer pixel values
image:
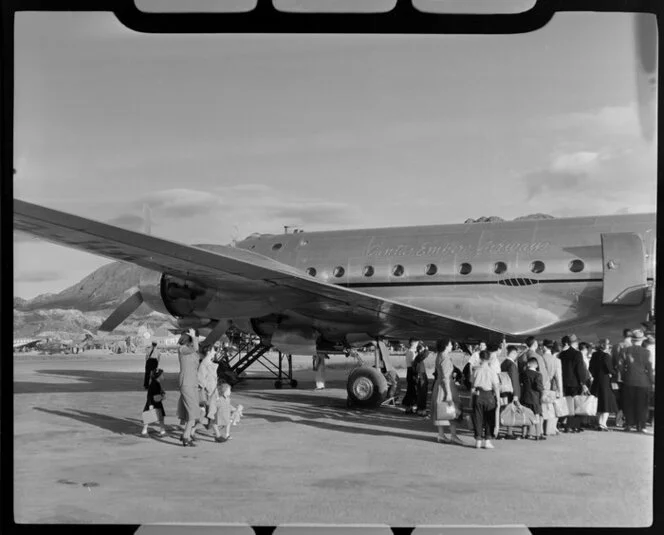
(237, 270)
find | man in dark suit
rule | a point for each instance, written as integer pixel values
(638, 379)
(575, 377)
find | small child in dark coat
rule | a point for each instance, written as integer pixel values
(155, 398)
(532, 387)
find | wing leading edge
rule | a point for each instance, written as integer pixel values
(232, 269)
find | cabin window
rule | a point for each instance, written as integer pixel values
(537, 266)
(431, 269)
(465, 268)
(576, 266)
(277, 246)
(397, 270)
(499, 268)
(339, 271)
(368, 271)
(311, 271)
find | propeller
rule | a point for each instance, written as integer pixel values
(126, 309)
(645, 35)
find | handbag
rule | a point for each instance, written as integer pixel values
(585, 405)
(561, 408)
(446, 410)
(548, 396)
(513, 416)
(505, 383)
(151, 415)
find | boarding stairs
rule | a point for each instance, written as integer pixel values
(248, 353)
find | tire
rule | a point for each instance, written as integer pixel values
(277, 385)
(293, 383)
(366, 387)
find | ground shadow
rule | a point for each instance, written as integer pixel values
(310, 408)
(117, 381)
(121, 426)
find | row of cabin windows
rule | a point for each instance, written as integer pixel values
(575, 266)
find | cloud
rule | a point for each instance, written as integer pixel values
(182, 202)
(39, 276)
(594, 182)
(565, 172)
(314, 212)
(619, 120)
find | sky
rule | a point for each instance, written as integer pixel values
(226, 135)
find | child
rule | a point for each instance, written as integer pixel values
(156, 395)
(227, 415)
(486, 393)
(531, 395)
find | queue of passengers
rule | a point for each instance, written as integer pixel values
(205, 396)
(545, 378)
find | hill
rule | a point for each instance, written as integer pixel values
(85, 305)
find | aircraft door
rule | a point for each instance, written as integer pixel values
(624, 269)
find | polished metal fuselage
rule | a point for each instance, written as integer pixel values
(513, 277)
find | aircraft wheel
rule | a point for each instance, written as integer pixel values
(293, 383)
(366, 387)
(277, 385)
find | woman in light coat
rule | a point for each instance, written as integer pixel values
(445, 390)
(554, 373)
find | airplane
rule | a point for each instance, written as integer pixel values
(304, 292)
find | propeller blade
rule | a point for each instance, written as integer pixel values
(121, 313)
(645, 34)
(215, 334)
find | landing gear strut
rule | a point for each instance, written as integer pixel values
(368, 387)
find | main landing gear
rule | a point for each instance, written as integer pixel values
(370, 387)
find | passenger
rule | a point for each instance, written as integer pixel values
(509, 366)
(155, 400)
(474, 359)
(207, 383)
(617, 356)
(532, 387)
(319, 368)
(485, 397)
(586, 422)
(531, 352)
(550, 426)
(445, 391)
(188, 404)
(421, 379)
(224, 414)
(152, 356)
(601, 368)
(649, 344)
(411, 387)
(637, 382)
(574, 375)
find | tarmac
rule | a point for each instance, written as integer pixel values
(298, 456)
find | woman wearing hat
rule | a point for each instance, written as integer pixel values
(637, 381)
(188, 405)
(601, 368)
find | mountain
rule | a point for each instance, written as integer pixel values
(104, 288)
(85, 305)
